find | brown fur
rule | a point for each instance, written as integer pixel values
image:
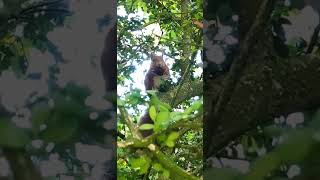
(158, 69)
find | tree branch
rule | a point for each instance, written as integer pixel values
(129, 122)
(188, 90)
(21, 165)
(175, 170)
(267, 89)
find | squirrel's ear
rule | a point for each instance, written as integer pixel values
(153, 56)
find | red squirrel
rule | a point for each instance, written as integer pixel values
(158, 70)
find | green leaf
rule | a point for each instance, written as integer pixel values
(161, 137)
(170, 143)
(254, 145)
(166, 173)
(195, 106)
(11, 135)
(154, 100)
(40, 114)
(157, 167)
(67, 106)
(60, 129)
(120, 102)
(164, 106)
(146, 127)
(153, 113)
(176, 116)
(163, 116)
(142, 164)
(76, 91)
(173, 136)
(162, 121)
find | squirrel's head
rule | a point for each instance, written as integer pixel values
(157, 60)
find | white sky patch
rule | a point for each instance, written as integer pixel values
(17, 91)
(81, 48)
(19, 31)
(52, 167)
(223, 32)
(111, 123)
(240, 165)
(121, 11)
(293, 171)
(1, 4)
(302, 25)
(97, 172)
(39, 63)
(294, 119)
(5, 169)
(92, 154)
(215, 52)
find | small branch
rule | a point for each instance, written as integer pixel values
(135, 143)
(127, 119)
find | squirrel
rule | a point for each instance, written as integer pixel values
(158, 70)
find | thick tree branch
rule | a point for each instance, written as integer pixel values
(176, 171)
(267, 89)
(188, 90)
(21, 164)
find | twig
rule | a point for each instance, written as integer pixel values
(132, 127)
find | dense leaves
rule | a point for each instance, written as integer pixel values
(175, 126)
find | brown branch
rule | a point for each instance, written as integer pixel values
(21, 165)
(129, 122)
(188, 90)
(268, 89)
